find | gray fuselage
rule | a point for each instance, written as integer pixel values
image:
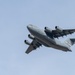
(46, 40)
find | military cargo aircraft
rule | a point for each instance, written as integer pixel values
(47, 37)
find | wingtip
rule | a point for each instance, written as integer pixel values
(26, 52)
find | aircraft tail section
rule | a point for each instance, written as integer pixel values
(70, 42)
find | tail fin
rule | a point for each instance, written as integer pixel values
(70, 42)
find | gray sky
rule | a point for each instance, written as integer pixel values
(15, 15)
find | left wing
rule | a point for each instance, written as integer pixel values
(65, 32)
(34, 45)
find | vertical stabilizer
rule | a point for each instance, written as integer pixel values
(70, 42)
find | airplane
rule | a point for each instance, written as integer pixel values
(47, 37)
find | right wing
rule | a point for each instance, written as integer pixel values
(63, 32)
(34, 45)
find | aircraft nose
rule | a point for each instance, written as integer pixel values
(30, 27)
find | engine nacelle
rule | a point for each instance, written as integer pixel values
(27, 42)
(58, 29)
(31, 36)
(48, 30)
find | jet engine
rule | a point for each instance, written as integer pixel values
(31, 36)
(27, 42)
(58, 29)
(48, 30)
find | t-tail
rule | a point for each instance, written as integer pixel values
(70, 42)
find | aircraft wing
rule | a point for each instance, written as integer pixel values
(33, 46)
(65, 32)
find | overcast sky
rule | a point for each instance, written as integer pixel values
(15, 15)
